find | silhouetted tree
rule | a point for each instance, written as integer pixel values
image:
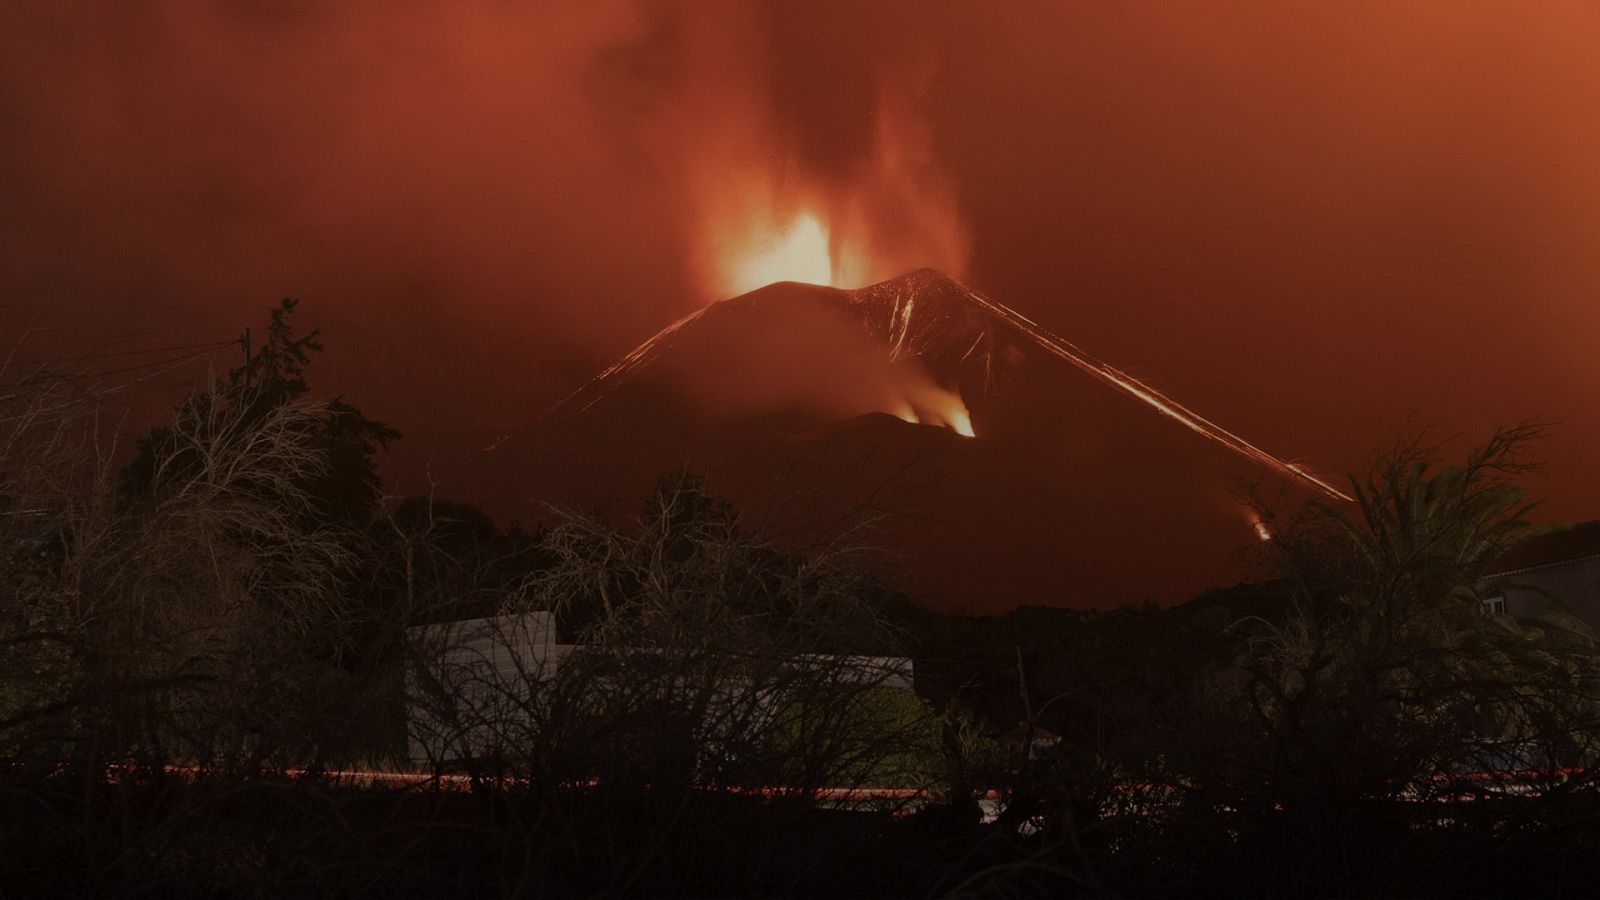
(1382, 683)
(347, 489)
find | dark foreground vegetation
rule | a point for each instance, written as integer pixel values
(201, 639)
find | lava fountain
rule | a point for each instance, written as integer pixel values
(798, 251)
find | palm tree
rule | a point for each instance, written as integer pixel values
(1382, 681)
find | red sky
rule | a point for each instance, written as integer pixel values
(1306, 220)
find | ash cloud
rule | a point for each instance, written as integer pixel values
(533, 181)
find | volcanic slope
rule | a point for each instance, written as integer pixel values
(822, 412)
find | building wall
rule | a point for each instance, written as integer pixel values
(470, 682)
(467, 675)
(1572, 587)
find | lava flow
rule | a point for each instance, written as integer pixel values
(941, 406)
(1151, 396)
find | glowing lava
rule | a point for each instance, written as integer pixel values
(1151, 396)
(960, 422)
(795, 252)
(936, 407)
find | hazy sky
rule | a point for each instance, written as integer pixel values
(1306, 220)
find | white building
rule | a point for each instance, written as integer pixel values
(474, 685)
(1554, 572)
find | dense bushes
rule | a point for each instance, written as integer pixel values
(193, 639)
(1357, 725)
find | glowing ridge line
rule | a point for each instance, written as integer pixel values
(1102, 371)
(1160, 402)
(636, 359)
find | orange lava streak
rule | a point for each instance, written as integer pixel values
(957, 419)
(1160, 402)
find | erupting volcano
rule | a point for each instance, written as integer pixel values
(817, 409)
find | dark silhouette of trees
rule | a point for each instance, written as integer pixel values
(1318, 734)
(191, 646)
(1382, 684)
(346, 490)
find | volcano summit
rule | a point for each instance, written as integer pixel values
(819, 410)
